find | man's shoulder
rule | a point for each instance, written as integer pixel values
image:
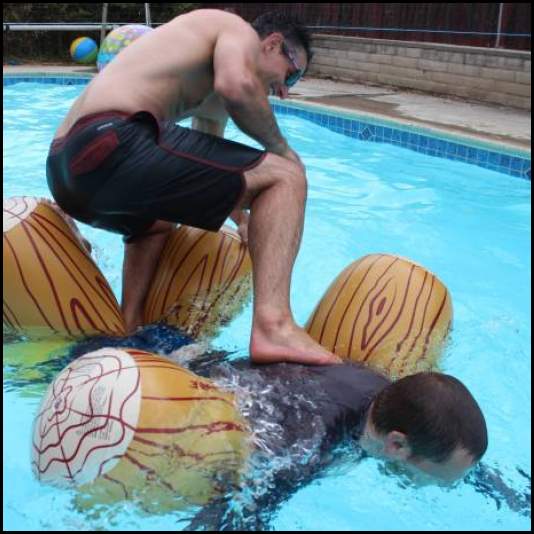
(217, 18)
(354, 374)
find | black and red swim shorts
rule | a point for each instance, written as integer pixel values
(123, 172)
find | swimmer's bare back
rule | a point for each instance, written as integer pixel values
(169, 72)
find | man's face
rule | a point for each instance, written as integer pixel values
(394, 447)
(286, 64)
(423, 472)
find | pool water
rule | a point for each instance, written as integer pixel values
(468, 225)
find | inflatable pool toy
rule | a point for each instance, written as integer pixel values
(123, 423)
(203, 280)
(387, 312)
(118, 40)
(84, 50)
(52, 286)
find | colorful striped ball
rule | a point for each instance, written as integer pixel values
(126, 424)
(387, 312)
(202, 281)
(84, 50)
(118, 40)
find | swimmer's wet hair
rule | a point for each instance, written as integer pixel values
(292, 30)
(436, 412)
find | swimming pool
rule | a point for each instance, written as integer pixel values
(469, 225)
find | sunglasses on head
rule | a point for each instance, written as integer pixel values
(296, 75)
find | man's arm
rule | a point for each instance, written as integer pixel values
(489, 482)
(250, 512)
(235, 57)
(211, 117)
(209, 126)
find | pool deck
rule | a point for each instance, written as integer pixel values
(498, 124)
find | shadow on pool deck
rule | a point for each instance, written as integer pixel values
(509, 126)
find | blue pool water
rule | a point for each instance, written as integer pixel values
(469, 225)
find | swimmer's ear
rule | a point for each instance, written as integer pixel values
(396, 446)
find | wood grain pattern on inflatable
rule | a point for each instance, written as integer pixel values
(203, 280)
(51, 284)
(387, 312)
(123, 423)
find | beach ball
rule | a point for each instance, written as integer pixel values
(52, 286)
(386, 312)
(84, 50)
(127, 424)
(202, 281)
(117, 40)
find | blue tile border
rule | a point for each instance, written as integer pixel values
(52, 79)
(431, 145)
(425, 144)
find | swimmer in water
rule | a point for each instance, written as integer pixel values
(428, 425)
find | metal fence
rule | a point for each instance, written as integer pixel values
(43, 32)
(504, 25)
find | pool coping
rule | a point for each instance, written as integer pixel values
(414, 125)
(372, 127)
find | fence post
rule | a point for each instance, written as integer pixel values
(5, 51)
(104, 23)
(147, 15)
(499, 26)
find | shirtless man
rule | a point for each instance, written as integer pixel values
(119, 162)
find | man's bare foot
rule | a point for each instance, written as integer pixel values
(287, 343)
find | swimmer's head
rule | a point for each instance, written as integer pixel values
(429, 424)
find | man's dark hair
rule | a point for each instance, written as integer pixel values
(294, 32)
(437, 414)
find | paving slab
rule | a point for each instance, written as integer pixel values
(496, 123)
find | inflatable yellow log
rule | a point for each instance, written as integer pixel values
(203, 280)
(51, 284)
(123, 423)
(387, 312)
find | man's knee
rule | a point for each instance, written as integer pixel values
(162, 227)
(294, 176)
(276, 171)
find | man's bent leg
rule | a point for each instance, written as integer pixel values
(276, 195)
(140, 261)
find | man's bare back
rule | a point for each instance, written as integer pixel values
(170, 85)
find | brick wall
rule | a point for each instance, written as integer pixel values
(487, 75)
